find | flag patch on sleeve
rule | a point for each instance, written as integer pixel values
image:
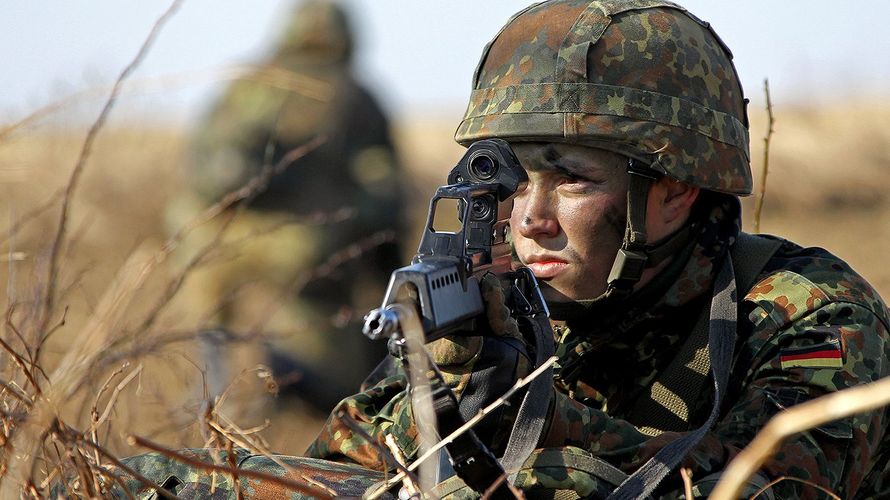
(825, 355)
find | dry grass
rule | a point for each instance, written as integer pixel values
(116, 360)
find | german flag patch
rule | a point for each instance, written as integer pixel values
(824, 355)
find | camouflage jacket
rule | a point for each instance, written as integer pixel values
(809, 326)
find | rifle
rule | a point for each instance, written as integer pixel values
(442, 283)
(443, 278)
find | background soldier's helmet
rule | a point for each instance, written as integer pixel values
(319, 31)
(643, 78)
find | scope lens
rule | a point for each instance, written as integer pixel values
(481, 209)
(483, 166)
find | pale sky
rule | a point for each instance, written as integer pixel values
(418, 56)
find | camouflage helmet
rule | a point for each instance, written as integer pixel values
(319, 31)
(644, 78)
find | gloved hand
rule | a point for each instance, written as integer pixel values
(457, 355)
(481, 368)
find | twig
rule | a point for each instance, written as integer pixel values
(23, 220)
(686, 474)
(249, 190)
(493, 487)
(796, 419)
(114, 395)
(789, 478)
(766, 141)
(21, 364)
(302, 488)
(522, 382)
(10, 325)
(252, 445)
(44, 338)
(389, 455)
(397, 455)
(117, 479)
(271, 76)
(21, 396)
(237, 380)
(139, 477)
(53, 272)
(333, 262)
(230, 458)
(94, 410)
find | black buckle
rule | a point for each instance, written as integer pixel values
(633, 168)
(627, 269)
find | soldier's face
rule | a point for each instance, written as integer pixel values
(568, 223)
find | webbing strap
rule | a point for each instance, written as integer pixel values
(631, 259)
(532, 414)
(750, 254)
(721, 342)
(684, 379)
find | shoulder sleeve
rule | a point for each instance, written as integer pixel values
(378, 411)
(806, 342)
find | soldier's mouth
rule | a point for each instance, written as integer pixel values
(547, 269)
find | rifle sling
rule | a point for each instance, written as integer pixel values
(750, 254)
(532, 414)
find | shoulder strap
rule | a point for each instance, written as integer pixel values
(684, 379)
(749, 255)
(721, 327)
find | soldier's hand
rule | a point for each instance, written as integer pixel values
(480, 368)
(457, 355)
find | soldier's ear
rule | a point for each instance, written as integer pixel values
(670, 201)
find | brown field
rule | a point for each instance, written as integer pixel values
(826, 187)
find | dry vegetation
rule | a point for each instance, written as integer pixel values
(144, 377)
(116, 354)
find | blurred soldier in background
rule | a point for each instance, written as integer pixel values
(340, 193)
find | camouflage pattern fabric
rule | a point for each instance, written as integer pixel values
(806, 300)
(304, 91)
(638, 77)
(319, 478)
(646, 79)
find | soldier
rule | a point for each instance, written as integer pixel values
(342, 192)
(629, 118)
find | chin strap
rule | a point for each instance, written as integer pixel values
(635, 255)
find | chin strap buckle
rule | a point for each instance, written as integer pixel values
(626, 270)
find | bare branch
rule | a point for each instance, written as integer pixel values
(522, 382)
(139, 477)
(21, 364)
(798, 480)
(271, 76)
(389, 457)
(333, 262)
(766, 142)
(22, 221)
(71, 186)
(246, 192)
(17, 394)
(114, 395)
(287, 483)
(256, 447)
(797, 419)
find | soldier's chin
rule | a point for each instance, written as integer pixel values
(552, 295)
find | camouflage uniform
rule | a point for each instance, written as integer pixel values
(647, 80)
(305, 91)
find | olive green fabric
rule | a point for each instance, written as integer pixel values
(343, 192)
